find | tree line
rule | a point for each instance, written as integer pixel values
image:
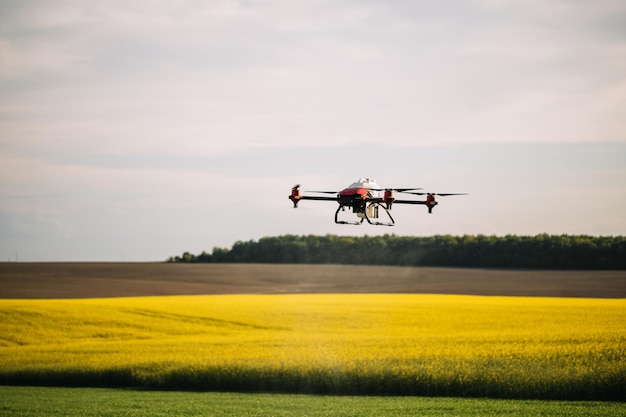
(541, 251)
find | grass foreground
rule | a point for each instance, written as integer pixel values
(365, 344)
(87, 402)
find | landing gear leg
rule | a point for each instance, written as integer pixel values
(341, 208)
(390, 223)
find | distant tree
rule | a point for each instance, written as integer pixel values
(510, 251)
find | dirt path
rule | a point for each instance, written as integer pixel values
(86, 280)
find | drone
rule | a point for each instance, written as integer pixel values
(367, 200)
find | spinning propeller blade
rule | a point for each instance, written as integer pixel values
(404, 190)
(400, 190)
(438, 194)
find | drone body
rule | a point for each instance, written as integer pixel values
(367, 199)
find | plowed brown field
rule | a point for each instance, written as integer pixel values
(87, 280)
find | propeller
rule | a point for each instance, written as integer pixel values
(400, 190)
(324, 192)
(433, 194)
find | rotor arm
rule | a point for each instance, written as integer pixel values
(318, 198)
(295, 197)
(424, 202)
(430, 203)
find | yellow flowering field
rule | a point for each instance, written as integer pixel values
(517, 347)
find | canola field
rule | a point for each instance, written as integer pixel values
(374, 344)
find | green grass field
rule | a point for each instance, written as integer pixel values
(373, 344)
(88, 402)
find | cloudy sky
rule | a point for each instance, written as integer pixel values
(136, 130)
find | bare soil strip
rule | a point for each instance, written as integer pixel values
(92, 280)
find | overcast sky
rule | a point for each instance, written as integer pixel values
(137, 130)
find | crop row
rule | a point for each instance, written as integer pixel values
(511, 347)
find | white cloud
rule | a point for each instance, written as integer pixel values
(277, 73)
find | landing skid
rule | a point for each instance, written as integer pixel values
(391, 222)
(375, 223)
(340, 208)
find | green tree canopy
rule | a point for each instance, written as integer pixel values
(541, 251)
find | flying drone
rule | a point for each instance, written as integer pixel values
(367, 199)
